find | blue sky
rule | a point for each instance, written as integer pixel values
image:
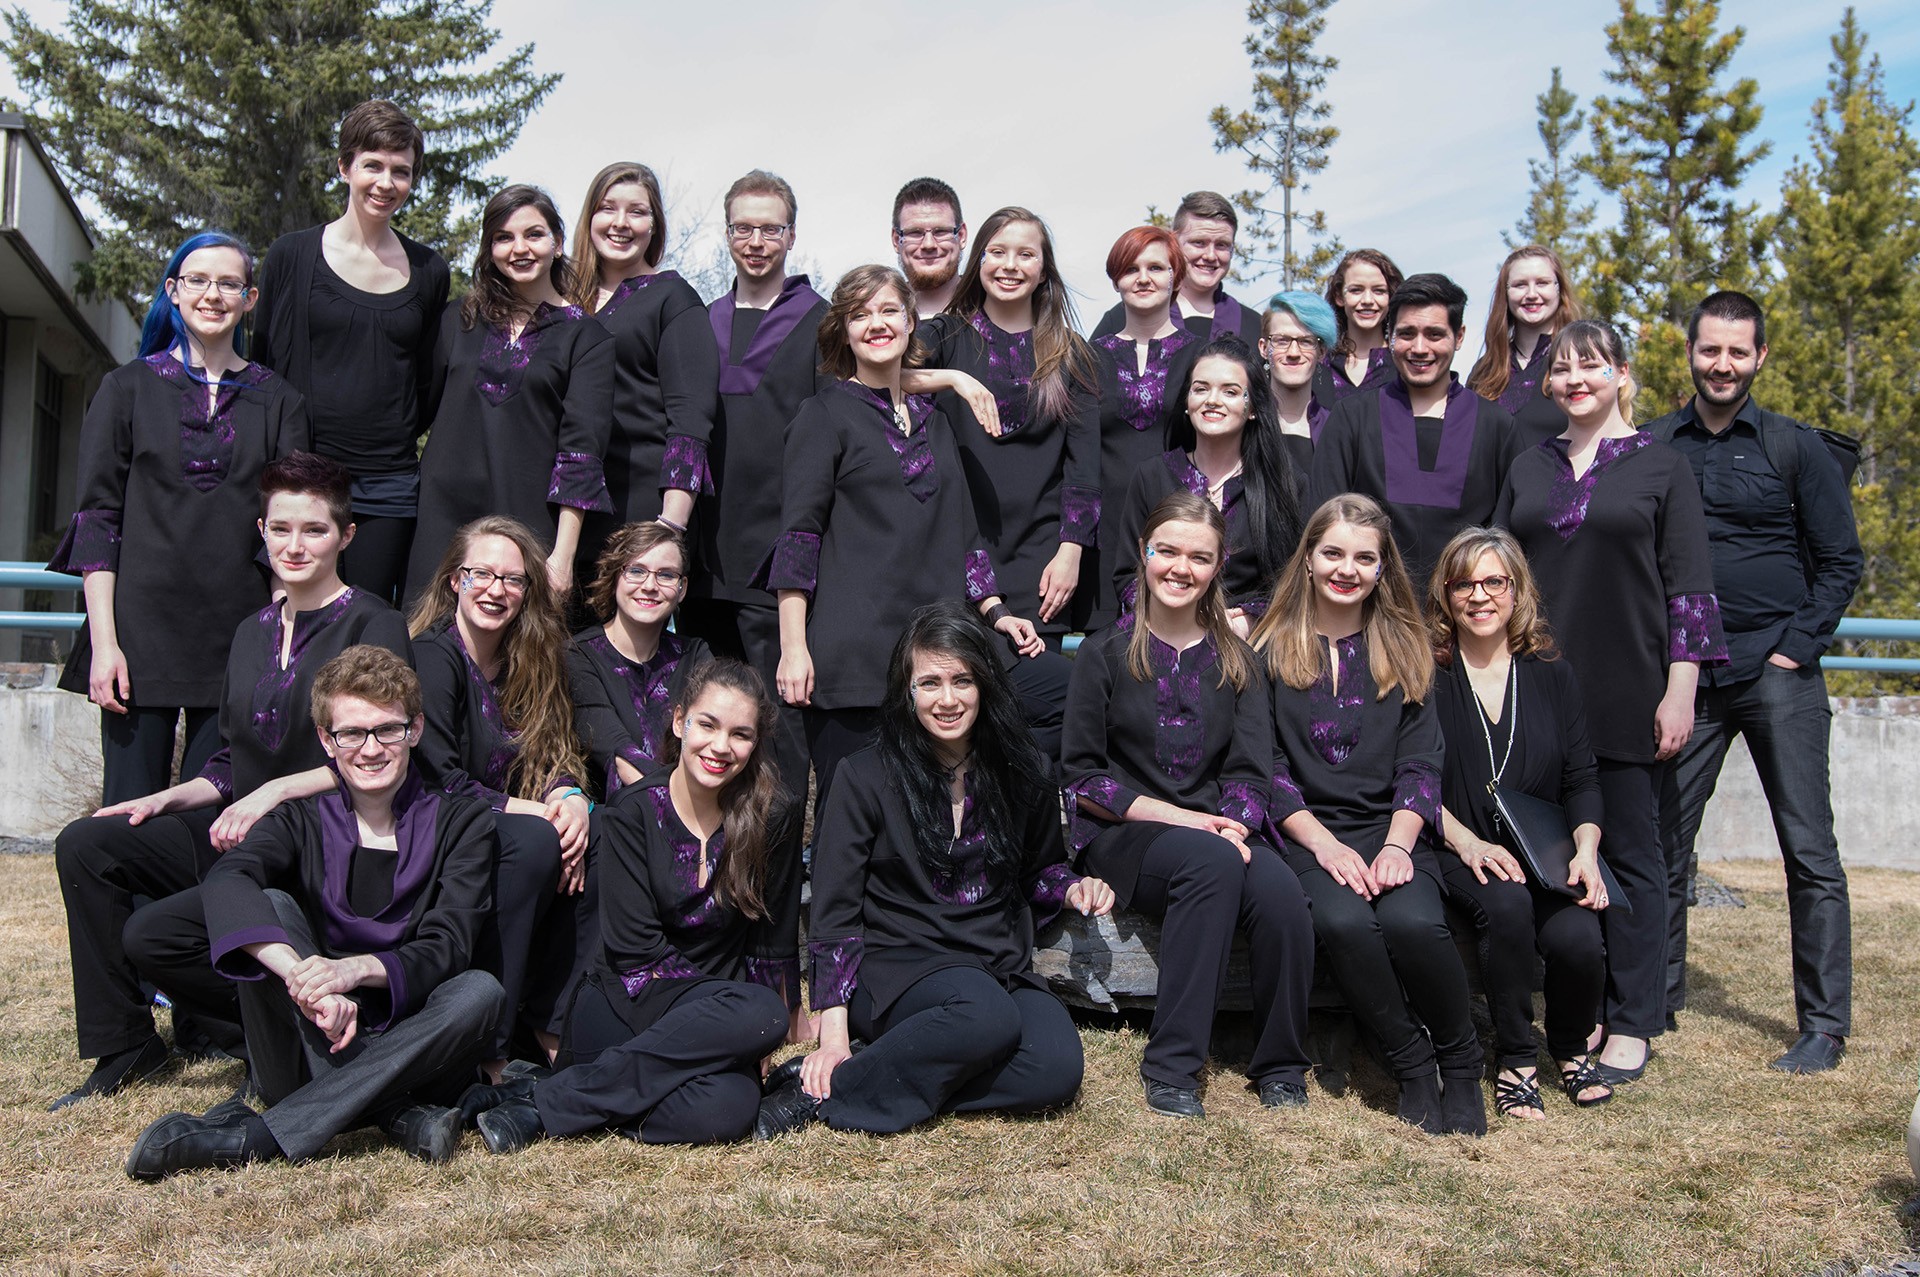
(1089, 110)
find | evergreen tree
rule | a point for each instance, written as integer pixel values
(1672, 147)
(1847, 317)
(1285, 138)
(1554, 218)
(173, 117)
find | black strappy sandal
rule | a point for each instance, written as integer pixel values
(1514, 1095)
(1583, 1075)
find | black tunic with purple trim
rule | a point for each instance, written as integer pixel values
(769, 366)
(1184, 736)
(522, 428)
(1353, 759)
(883, 918)
(665, 373)
(1134, 409)
(624, 708)
(1230, 318)
(1434, 475)
(1247, 581)
(1036, 485)
(876, 523)
(1625, 572)
(168, 495)
(662, 927)
(466, 746)
(1331, 383)
(422, 928)
(266, 714)
(1536, 417)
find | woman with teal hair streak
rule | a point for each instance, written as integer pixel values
(1298, 329)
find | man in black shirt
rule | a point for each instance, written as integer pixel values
(1786, 560)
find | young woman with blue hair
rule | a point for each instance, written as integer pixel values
(163, 531)
(1297, 331)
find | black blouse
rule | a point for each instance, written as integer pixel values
(623, 708)
(168, 496)
(1183, 736)
(883, 919)
(1536, 417)
(466, 746)
(1331, 383)
(1247, 580)
(1543, 743)
(1230, 318)
(1625, 573)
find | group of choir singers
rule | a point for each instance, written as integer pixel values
(664, 564)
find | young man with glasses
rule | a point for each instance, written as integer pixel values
(348, 920)
(930, 235)
(1206, 226)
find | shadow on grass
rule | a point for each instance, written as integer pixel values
(1708, 996)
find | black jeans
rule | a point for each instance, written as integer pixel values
(1786, 719)
(136, 749)
(376, 562)
(1635, 1003)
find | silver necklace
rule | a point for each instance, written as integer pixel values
(1486, 724)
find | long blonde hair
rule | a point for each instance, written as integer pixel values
(1397, 650)
(534, 702)
(1185, 507)
(1527, 632)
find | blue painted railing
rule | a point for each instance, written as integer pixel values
(34, 576)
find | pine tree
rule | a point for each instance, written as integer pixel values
(1284, 138)
(174, 117)
(1847, 318)
(1554, 218)
(1672, 147)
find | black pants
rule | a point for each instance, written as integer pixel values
(103, 862)
(832, 735)
(376, 562)
(1196, 883)
(1516, 920)
(1635, 1004)
(136, 749)
(692, 1076)
(1398, 940)
(166, 941)
(1786, 720)
(957, 1041)
(313, 1093)
(1041, 682)
(538, 941)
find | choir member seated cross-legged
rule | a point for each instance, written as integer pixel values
(1532, 301)
(161, 845)
(170, 459)
(347, 920)
(1356, 802)
(1168, 754)
(1296, 332)
(699, 977)
(1360, 357)
(935, 861)
(1511, 714)
(624, 672)
(1227, 449)
(491, 647)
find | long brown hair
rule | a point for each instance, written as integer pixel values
(1397, 651)
(627, 544)
(1494, 369)
(1337, 283)
(1061, 360)
(751, 801)
(492, 297)
(534, 702)
(586, 258)
(1185, 507)
(856, 288)
(1527, 632)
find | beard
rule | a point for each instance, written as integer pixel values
(924, 279)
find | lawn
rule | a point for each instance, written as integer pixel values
(1713, 1164)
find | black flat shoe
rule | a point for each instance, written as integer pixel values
(1420, 1102)
(429, 1132)
(1812, 1053)
(511, 1126)
(1615, 1076)
(183, 1142)
(1173, 1101)
(480, 1097)
(1463, 1109)
(787, 1108)
(1277, 1093)
(120, 1070)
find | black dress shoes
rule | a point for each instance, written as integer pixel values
(1812, 1053)
(1463, 1109)
(1276, 1093)
(1173, 1101)
(511, 1126)
(787, 1107)
(183, 1142)
(482, 1096)
(429, 1132)
(118, 1071)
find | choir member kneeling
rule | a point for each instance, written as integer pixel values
(348, 919)
(668, 1031)
(936, 858)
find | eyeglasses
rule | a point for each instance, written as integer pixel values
(198, 284)
(352, 738)
(640, 574)
(483, 578)
(741, 234)
(1496, 587)
(937, 234)
(1284, 344)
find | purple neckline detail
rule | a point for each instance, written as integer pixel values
(914, 450)
(1523, 380)
(796, 301)
(1145, 393)
(1189, 476)
(416, 811)
(1009, 371)
(1334, 723)
(1179, 738)
(627, 287)
(272, 710)
(206, 435)
(504, 360)
(1568, 499)
(1407, 483)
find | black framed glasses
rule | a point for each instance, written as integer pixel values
(349, 739)
(640, 574)
(483, 578)
(1496, 587)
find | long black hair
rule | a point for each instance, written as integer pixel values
(1009, 775)
(1267, 480)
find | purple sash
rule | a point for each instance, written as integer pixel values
(795, 302)
(1407, 483)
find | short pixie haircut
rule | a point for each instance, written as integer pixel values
(1127, 249)
(380, 126)
(310, 474)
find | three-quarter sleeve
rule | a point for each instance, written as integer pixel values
(1080, 495)
(603, 733)
(1246, 774)
(773, 940)
(440, 753)
(690, 392)
(579, 477)
(92, 540)
(1085, 764)
(1416, 763)
(635, 943)
(836, 924)
(1686, 571)
(812, 459)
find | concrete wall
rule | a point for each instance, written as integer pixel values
(49, 753)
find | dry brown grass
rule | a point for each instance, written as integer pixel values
(1714, 1164)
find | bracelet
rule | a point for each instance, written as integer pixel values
(998, 613)
(1397, 847)
(681, 528)
(565, 794)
